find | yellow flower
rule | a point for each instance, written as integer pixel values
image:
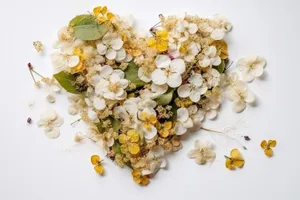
(222, 48)
(102, 14)
(165, 129)
(235, 160)
(81, 65)
(129, 142)
(139, 178)
(159, 41)
(148, 120)
(267, 146)
(96, 160)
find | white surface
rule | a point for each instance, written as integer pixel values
(32, 167)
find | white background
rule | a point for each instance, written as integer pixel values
(32, 167)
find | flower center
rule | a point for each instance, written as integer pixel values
(114, 87)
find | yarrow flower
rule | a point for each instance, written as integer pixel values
(168, 71)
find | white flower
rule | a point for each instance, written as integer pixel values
(205, 27)
(251, 67)
(194, 89)
(211, 57)
(196, 114)
(222, 22)
(127, 114)
(148, 119)
(99, 102)
(168, 71)
(202, 152)
(93, 115)
(144, 74)
(62, 61)
(183, 121)
(50, 121)
(112, 84)
(228, 79)
(212, 77)
(156, 161)
(186, 28)
(112, 47)
(192, 50)
(52, 87)
(240, 94)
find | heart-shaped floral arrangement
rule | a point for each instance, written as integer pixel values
(139, 94)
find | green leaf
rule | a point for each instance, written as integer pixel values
(100, 128)
(131, 73)
(90, 31)
(82, 20)
(221, 67)
(116, 147)
(116, 124)
(67, 81)
(166, 98)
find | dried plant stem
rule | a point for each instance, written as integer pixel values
(38, 74)
(78, 120)
(220, 132)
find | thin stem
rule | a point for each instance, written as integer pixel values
(37, 73)
(78, 120)
(220, 132)
(32, 76)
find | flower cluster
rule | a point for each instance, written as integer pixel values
(140, 94)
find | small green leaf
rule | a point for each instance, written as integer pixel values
(131, 74)
(100, 128)
(90, 31)
(116, 147)
(116, 124)
(221, 67)
(67, 81)
(166, 98)
(82, 20)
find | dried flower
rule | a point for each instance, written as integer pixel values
(202, 152)
(139, 178)
(38, 46)
(235, 160)
(96, 160)
(267, 147)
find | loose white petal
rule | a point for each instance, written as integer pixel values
(218, 34)
(182, 114)
(72, 110)
(249, 97)
(52, 133)
(50, 98)
(99, 103)
(116, 44)
(73, 61)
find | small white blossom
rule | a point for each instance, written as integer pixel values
(77, 103)
(111, 84)
(62, 61)
(146, 116)
(193, 89)
(156, 161)
(127, 114)
(185, 28)
(168, 71)
(50, 121)
(211, 57)
(202, 152)
(192, 50)
(196, 114)
(240, 95)
(112, 47)
(212, 77)
(183, 121)
(251, 67)
(144, 74)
